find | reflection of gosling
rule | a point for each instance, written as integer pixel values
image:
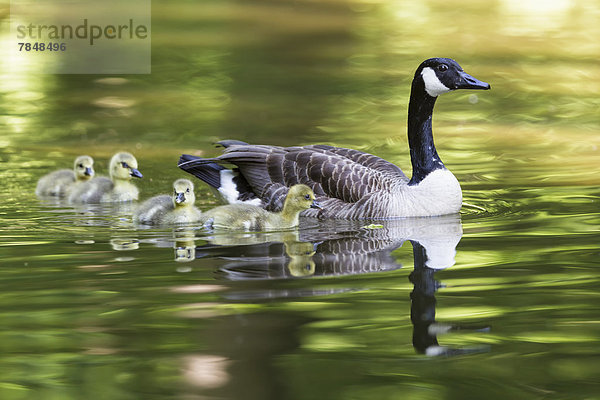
(300, 254)
(185, 244)
(122, 244)
(123, 167)
(165, 209)
(59, 183)
(249, 217)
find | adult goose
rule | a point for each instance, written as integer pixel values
(348, 183)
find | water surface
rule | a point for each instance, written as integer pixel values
(501, 301)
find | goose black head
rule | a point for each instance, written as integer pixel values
(442, 75)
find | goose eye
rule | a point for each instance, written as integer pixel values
(124, 164)
(187, 190)
(307, 196)
(442, 67)
(80, 165)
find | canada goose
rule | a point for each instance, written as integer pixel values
(122, 167)
(251, 217)
(348, 183)
(58, 183)
(175, 209)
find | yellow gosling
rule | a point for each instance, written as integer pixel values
(164, 209)
(250, 217)
(60, 183)
(123, 166)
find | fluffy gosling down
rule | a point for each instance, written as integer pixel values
(250, 217)
(122, 167)
(59, 183)
(164, 209)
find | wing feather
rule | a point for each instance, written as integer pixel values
(336, 172)
(342, 179)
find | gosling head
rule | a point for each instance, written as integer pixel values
(441, 75)
(124, 166)
(183, 193)
(300, 197)
(84, 168)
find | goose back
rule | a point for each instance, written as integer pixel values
(153, 210)
(343, 180)
(55, 183)
(91, 191)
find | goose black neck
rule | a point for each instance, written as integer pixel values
(423, 154)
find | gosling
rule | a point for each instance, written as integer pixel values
(122, 167)
(167, 210)
(60, 183)
(250, 217)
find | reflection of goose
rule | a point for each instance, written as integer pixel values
(346, 248)
(422, 310)
(369, 251)
(340, 248)
(123, 167)
(348, 183)
(59, 183)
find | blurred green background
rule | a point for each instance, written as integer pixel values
(83, 316)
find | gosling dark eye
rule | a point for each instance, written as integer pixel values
(80, 165)
(442, 68)
(307, 196)
(187, 190)
(124, 164)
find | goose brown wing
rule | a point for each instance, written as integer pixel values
(362, 158)
(332, 172)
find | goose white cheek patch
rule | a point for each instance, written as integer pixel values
(433, 86)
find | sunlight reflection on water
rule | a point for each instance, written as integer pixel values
(337, 310)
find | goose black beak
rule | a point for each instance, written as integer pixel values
(180, 198)
(88, 172)
(315, 204)
(466, 81)
(135, 173)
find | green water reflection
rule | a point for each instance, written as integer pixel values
(93, 306)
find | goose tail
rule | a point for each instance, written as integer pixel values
(230, 185)
(202, 168)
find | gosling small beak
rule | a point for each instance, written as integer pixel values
(468, 82)
(135, 173)
(315, 204)
(180, 198)
(89, 172)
